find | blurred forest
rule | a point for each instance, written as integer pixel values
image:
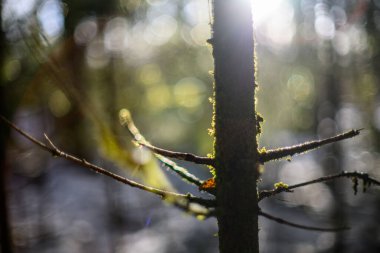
(69, 67)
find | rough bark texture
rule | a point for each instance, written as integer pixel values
(235, 131)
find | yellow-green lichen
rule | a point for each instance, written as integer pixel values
(262, 151)
(281, 185)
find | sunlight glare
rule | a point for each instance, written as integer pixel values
(18, 9)
(264, 10)
(274, 23)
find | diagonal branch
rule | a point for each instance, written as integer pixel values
(199, 213)
(292, 224)
(367, 181)
(126, 121)
(275, 154)
(82, 162)
(182, 172)
(179, 155)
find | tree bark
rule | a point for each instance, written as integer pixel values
(5, 110)
(235, 146)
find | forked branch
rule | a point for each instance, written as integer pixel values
(275, 154)
(296, 225)
(177, 198)
(126, 121)
(367, 182)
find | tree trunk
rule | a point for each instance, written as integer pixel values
(235, 126)
(5, 110)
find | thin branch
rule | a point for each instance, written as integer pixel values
(200, 213)
(179, 155)
(82, 162)
(26, 135)
(367, 181)
(288, 223)
(275, 154)
(182, 172)
(126, 121)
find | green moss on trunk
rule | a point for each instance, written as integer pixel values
(235, 126)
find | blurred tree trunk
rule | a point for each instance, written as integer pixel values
(5, 231)
(72, 61)
(373, 29)
(330, 97)
(235, 133)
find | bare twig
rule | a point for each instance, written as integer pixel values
(26, 135)
(82, 162)
(126, 121)
(279, 153)
(182, 172)
(367, 181)
(292, 224)
(200, 213)
(179, 155)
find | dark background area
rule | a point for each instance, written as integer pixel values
(69, 67)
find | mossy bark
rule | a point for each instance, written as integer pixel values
(235, 148)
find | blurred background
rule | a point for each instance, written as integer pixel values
(69, 67)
